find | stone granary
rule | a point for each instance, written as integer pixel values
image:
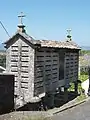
(40, 66)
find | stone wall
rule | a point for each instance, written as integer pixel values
(6, 92)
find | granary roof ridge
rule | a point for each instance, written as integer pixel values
(26, 36)
(57, 44)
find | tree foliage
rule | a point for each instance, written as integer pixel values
(3, 60)
(83, 52)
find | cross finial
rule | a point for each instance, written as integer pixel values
(69, 33)
(21, 26)
(21, 16)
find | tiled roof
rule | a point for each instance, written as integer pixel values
(48, 43)
(57, 44)
(26, 36)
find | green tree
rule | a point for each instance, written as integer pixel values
(3, 60)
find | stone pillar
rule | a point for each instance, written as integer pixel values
(76, 87)
(50, 100)
(65, 95)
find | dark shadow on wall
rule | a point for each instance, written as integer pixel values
(6, 93)
(44, 105)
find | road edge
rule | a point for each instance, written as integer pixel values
(68, 107)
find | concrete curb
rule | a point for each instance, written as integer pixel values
(68, 107)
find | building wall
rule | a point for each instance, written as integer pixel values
(8, 59)
(71, 66)
(54, 68)
(46, 70)
(20, 62)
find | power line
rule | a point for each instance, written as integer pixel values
(4, 29)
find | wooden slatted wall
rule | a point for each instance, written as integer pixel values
(46, 70)
(20, 66)
(71, 66)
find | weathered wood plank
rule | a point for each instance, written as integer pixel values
(48, 82)
(25, 80)
(14, 48)
(47, 59)
(25, 58)
(25, 64)
(55, 62)
(25, 69)
(40, 59)
(14, 53)
(47, 73)
(39, 69)
(24, 84)
(39, 90)
(24, 74)
(39, 64)
(39, 53)
(39, 74)
(25, 48)
(14, 69)
(54, 54)
(48, 63)
(48, 76)
(25, 53)
(24, 77)
(39, 79)
(39, 84)
(55, 67)
(14, 58)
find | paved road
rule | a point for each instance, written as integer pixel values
(81, 112)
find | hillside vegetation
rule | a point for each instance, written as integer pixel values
(2, 58)
(83, 52)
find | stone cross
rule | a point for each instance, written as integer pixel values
(21, 17)
(69, 31)
(69, 36)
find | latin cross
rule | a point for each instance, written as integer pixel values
(21, 16)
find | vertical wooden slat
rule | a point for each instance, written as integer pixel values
(19, 66)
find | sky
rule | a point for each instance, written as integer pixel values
(47, 19)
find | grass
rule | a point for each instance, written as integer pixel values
(71, 88)
(83, 77)
(81, 97)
